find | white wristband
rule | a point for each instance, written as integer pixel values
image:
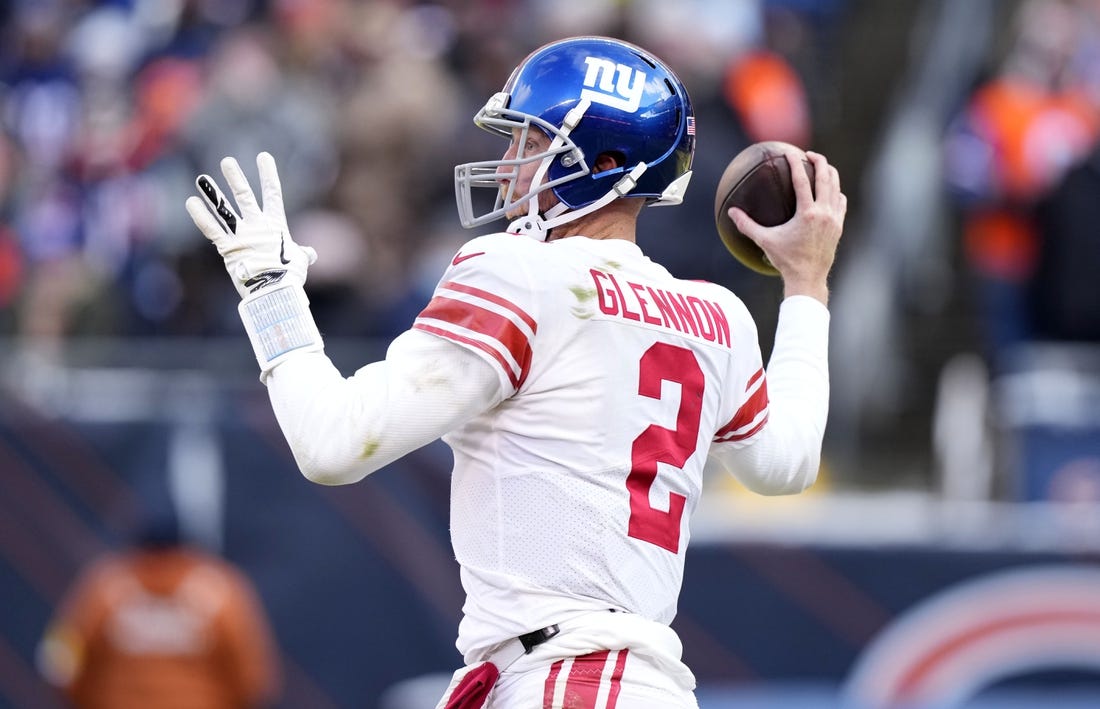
(279, 322)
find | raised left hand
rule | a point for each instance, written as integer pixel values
(254, 241)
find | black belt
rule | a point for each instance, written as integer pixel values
(537, 637)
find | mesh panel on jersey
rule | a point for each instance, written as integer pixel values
(578, 529)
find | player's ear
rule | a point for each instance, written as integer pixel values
(609, 161)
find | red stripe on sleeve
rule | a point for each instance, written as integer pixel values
(493, 298)
(749, 410)
(750, 433)
(485, 322)
(473, 343)
(551, 685)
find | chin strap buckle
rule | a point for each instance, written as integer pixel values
(630, 180)
(532, 226)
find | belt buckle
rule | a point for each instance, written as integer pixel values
(537, 637)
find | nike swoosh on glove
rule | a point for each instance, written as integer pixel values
(254, 241)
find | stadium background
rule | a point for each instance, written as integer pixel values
(953, 475)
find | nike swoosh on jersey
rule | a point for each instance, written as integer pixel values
(460, 257)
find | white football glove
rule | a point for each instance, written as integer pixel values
(256, 244)
(267, 267)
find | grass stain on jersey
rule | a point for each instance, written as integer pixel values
(582, 294)
(613, 265)
(583, 309)
(370, 448)
(429, 381)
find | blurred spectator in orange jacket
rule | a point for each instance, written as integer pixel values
(1012, 143)
(160, 627)
(768, 95)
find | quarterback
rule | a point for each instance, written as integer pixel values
(580, 386)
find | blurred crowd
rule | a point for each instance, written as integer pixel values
(1022, 163)
(1022, 160)
(108, 110)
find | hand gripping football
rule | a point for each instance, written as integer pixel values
(758, 181)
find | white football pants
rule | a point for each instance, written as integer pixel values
(615, 679)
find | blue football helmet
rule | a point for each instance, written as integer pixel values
(590, 96)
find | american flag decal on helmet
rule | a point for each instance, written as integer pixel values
(691, 125)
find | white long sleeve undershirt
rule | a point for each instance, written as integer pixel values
(342, 429)
(785, 456)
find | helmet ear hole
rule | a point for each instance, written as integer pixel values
(609, 160)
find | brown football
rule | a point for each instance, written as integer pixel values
(758, 181)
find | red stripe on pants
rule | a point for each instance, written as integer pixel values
(583, 683)
(584, 680)
(551, 683)
(616, 680)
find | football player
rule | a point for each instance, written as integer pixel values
(580, 386)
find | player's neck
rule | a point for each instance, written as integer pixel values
(617, 220)
(625, 232)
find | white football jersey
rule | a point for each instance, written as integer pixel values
(573, 493)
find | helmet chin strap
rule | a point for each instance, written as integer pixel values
(534, 224)
(538, 226)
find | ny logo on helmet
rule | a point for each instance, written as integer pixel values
(624, 94)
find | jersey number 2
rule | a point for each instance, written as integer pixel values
(664, 362)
